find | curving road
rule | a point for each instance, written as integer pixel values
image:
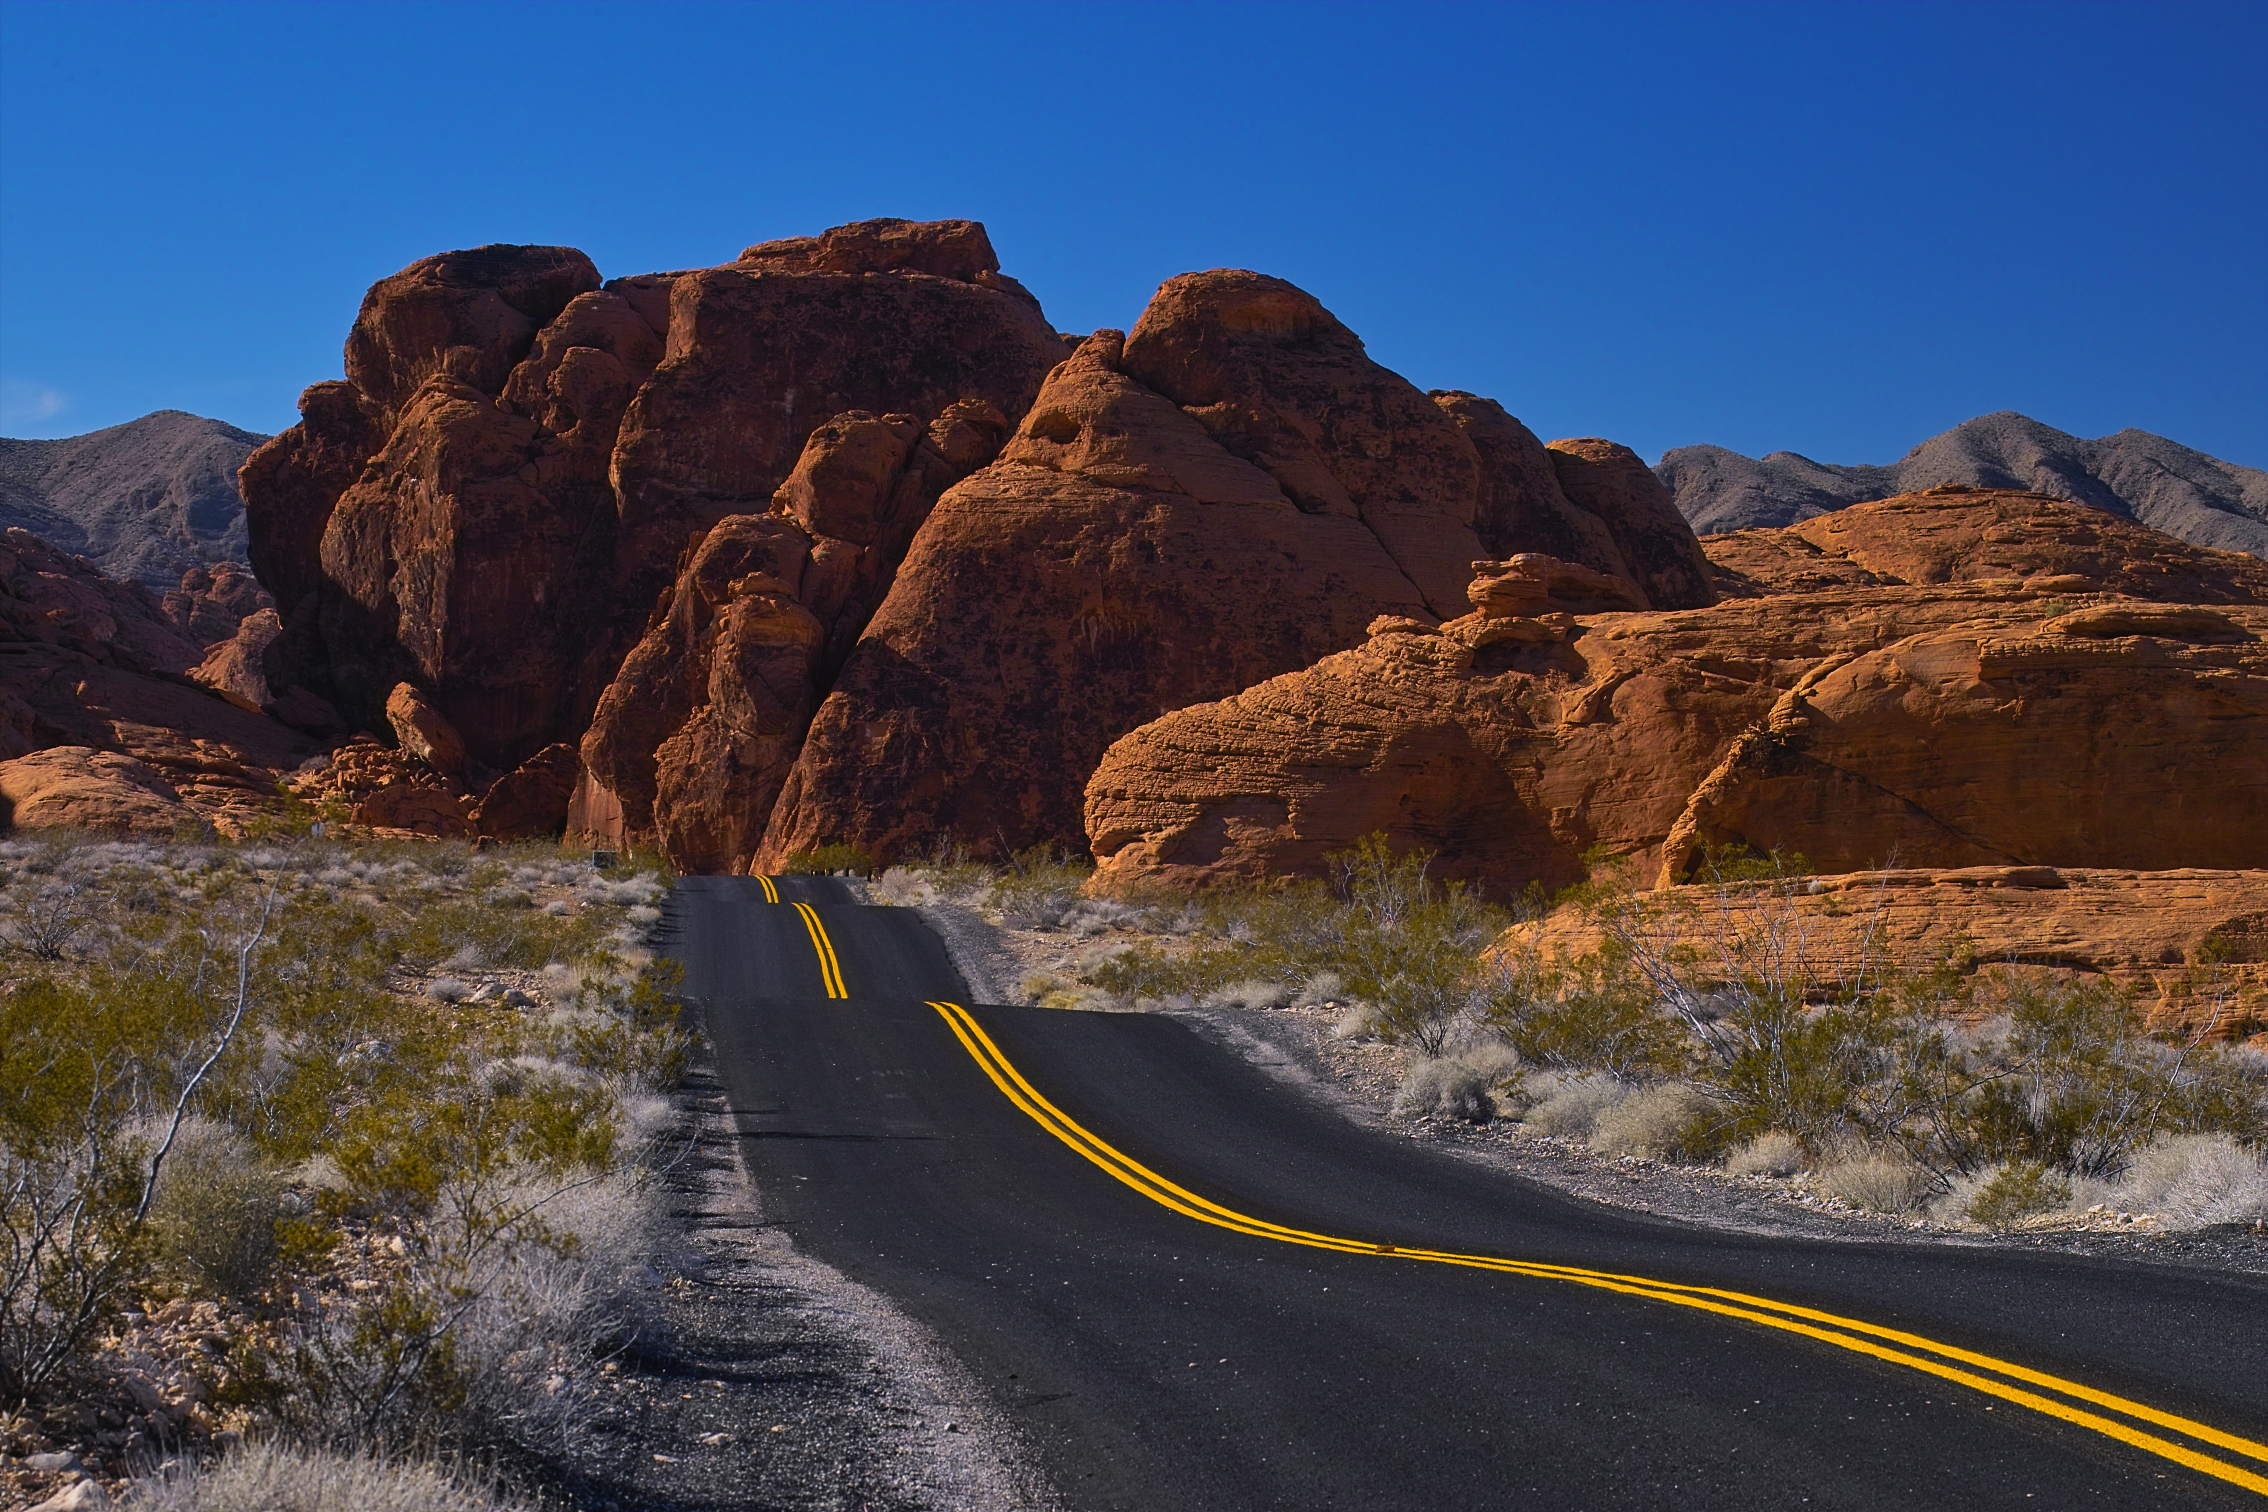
(1192, 1287)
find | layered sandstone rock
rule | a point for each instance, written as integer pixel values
(524, 500)
(1967, 694)
(92, 662)
(1226, 493)
(488, 507)
(74, 787)
(2191, 944)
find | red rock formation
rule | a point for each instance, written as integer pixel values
(1278, 381)
(1114, 563)
(695, 737)
(530, 801)
(92, 662)
(2191, 944)
(451, 515)
(1985, 718)
(1521, 506)
(1614, 485)
(1230, 491)
(213, 601)
(422, 731)
(508, 501)
(73, 787)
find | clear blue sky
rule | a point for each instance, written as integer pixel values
(1834, 228)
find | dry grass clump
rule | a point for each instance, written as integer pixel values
(1877, 1182)
(2197, 1180)
(271, 1477)
(1445, 1088)
(1568, 1106)
(1252, 993)
(1667, 1122)
(1771, 1153)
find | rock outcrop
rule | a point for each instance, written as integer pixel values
(2191, 944)
(519, 459)
(662, 519)
(1947, 680)
(212, 602)
(93, 662)
(1228, 492)
(2133, 474)
(78, 788)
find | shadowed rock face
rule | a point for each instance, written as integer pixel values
(1950, 679)
(94, 664)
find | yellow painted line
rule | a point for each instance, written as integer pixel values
(1844, 1333)
(771, 893)
(830, 970)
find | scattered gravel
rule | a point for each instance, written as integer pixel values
(776, 1382)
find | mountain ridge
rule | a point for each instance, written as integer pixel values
(2131, 473)
(147, 500)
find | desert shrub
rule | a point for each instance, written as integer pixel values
(2195, 1180)
(2084, 1086)
(1038, 888)
(1775, 1152)
(226, 1015)
(1570, 1106)
(1383, 929)
(272, 1477)
(2008, 1193)
(1877, 1181)
(1320, 987)
(1445, 1088)
(1668, 1122)
(829, 860)
(214, 1217)
(1591, 1013)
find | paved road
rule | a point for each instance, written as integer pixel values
(1160, 1355)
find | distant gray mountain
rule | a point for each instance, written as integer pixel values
(2161, 483)
(146, 500)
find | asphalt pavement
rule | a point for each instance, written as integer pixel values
(1374, 1324)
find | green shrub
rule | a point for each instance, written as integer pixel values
(215, 1217)
(2016, 1191)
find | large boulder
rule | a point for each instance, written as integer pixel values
(1611, 483)
(1116, 562)
(693, 740)
(74, 787)
(1976, 718)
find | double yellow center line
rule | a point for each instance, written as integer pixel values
(830, 969)
(2003, 1379)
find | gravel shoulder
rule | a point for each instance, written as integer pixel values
(769, 1380)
